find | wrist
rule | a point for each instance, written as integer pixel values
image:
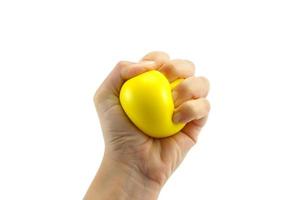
(115, 180)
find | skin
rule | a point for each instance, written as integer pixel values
(136, 166)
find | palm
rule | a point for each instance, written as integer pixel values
(156, 158)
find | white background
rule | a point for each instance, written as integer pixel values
(54, 54)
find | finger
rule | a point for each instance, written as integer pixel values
(191, 110)
(193, 128)
(158, 56)
(190, 88)
(188, 136)
(135, 69)
(175, 69)
(123, 71)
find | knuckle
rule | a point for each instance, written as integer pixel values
(175, 69)
(204, 81)
(157, 53)
(182, 86)
(190, 63)
(98, 96)
(194, 141)
(176, 62)
(188, 89)
(158, 56)
(168, 67)
(202, 86)
(122, 64)
(182, 65)
(190, 108)
(206, 105)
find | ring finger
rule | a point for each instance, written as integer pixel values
(190, 88)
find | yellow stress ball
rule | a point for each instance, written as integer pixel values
(147, 101)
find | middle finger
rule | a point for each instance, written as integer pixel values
(176, 69)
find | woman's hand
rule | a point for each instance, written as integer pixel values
(136, 166)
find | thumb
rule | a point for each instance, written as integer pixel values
(124, 70)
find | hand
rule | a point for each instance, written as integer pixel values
(147, 161)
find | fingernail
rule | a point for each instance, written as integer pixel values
(147, 62)
(176, 117)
